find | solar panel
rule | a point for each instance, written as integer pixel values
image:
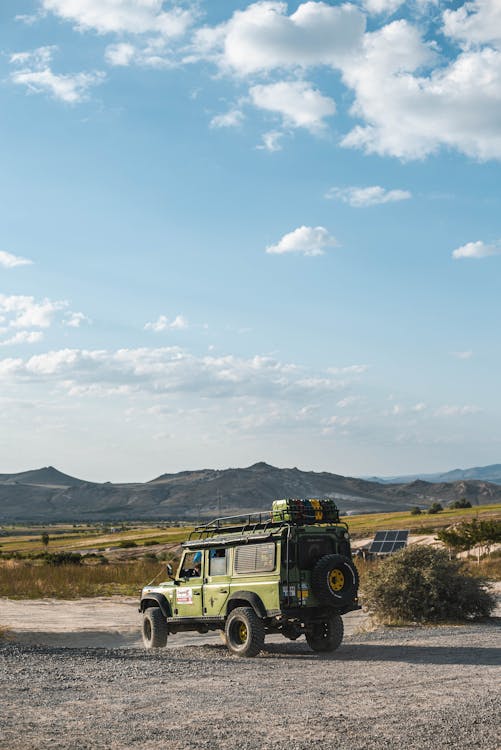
(386, 542)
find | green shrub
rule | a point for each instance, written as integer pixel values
(463, 503)
(421, 584)
(151, 543)
(62, 558)
(127, 543)
(435, 508)
(416, 511)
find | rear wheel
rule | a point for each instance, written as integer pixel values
(154, 628)
(326, 635)
(244, 632)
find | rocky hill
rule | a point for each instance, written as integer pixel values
(49, 495)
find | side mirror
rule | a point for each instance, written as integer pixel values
(170, 570)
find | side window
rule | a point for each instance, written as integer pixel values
(218, 562)
(191, 565)
(255, 558)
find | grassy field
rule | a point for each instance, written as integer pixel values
(67, 539)
(28, 580)
(367, 524)
(126, 569)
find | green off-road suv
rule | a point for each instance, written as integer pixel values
(289, 571)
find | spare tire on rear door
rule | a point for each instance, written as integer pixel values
(334, 580)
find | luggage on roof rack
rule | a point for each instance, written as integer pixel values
(306, 511)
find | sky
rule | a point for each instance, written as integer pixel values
(234, 232)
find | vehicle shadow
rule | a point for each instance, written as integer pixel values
(374, 652)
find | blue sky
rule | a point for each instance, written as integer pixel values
(233, 232)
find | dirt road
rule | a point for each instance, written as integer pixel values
(74, 675)
(413, 688)
(107, 622)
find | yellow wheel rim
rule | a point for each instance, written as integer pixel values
(336, 580)
(242, 632)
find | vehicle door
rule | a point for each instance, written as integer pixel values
(217, 580)
(189, 597)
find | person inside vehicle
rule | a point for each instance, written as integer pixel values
(196, 566)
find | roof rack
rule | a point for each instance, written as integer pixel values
(284, 514)
(248, 523)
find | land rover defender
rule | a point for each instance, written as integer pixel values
(289, 571)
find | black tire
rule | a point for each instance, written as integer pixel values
(326, 635)
(155, 629)
(244, 632)
(334, 580)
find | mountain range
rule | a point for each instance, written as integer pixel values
(491, 473)
(48, 495)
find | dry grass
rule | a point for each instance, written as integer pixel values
(489, 567)
(366, 524)
(4, 633)
(28, 580)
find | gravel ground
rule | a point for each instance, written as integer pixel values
(392, 688)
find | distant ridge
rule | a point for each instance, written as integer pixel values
(47, 494)
(491, 473)
(48, 475)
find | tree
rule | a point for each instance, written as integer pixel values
(421, 584)
(416, 511)
(463, 503)
(470, 534)
(45, 539)
(435, 508)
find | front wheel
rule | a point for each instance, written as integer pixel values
(326, 635)
(244, 632)
(154, 628)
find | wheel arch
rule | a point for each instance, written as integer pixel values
(155, 600)
(245, 599)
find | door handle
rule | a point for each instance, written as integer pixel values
(196, 593)
(223, 591)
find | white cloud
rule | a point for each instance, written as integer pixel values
(382, 6)
(304, 240)
(348, 370)
(162, 323)
(410, 101)
(155, 53)
(419, 407)
(476, 22)
(75, 319)
(410, 115)
(119, 16)
(263, 37)
(375, 195)
(463, 355)
(271, 141)
(25, 312)
(171, 370)
(298, 102)
(7, 260)
(348, 401)
(477, 249)
(231, 119)
(455, 411)
(23, 337)
(34, 72)
(121, 54)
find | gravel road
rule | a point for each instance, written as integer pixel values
(412, 688)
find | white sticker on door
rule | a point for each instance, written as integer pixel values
(184, 596)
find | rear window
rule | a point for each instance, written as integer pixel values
(312, 548)
(255, 558)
